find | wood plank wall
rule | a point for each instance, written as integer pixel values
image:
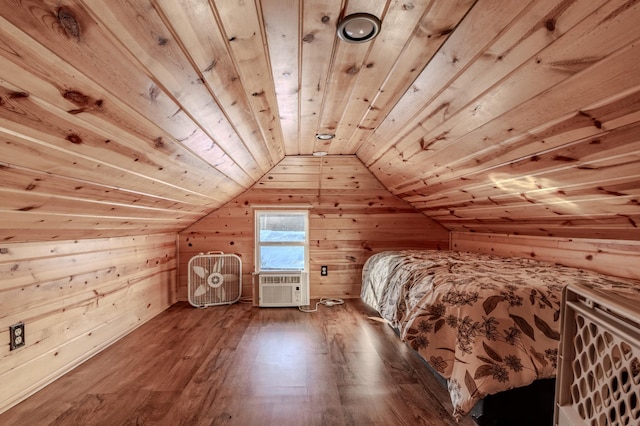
(75, 298)
(351, 216)
(613, 257)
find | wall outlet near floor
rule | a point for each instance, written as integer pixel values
(16, 335)
(324, 271)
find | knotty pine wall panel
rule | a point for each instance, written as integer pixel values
(76, 298)
(351, 217)
(613, 257)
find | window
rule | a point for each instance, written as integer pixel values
(282, 240)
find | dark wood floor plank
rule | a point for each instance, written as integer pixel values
(99, 408)
(241, 365)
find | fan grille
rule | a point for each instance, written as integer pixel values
(214, 279)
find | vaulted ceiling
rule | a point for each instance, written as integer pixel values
(126, 117)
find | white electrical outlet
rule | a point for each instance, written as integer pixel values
(16, 336)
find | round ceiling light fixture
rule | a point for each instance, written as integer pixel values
(325, 136)
(359, 27)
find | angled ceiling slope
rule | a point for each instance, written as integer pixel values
(122, 118)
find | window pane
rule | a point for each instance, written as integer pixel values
(282, 227)
(282, 258)
(281, 236)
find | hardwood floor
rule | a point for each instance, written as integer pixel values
(238, 365)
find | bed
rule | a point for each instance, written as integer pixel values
(485, 323)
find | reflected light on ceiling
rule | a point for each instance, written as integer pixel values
(533, 188)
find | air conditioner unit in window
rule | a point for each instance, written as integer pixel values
(278, 289)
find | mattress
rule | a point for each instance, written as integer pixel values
(485, 323)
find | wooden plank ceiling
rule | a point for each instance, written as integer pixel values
(140, 116)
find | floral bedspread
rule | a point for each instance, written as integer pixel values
(485, 323)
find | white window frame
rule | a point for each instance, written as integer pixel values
(305, 243)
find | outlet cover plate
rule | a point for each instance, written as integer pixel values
(16, 336)
(324, 271)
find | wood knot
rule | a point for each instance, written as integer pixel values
(158, 142)
(442, 136)
(154, 91)
(69, 23)
(564, 158)
(18, 95)
(211, 66)
(325, 19)
(76, 97)
(425, 144)
(308, 38)
(74, 138)
(550, 24)
(353, 70)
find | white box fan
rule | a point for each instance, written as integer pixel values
(215, 278)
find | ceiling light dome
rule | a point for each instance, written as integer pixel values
(325, 136)
(359, 27)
